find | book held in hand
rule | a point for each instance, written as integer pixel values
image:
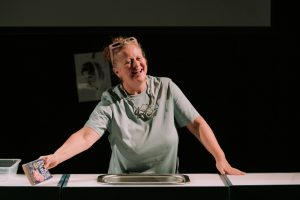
(36, 172)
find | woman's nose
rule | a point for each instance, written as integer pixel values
(134, 63)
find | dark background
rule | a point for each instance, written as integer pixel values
(242, 79)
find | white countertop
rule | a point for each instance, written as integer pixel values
(21, 180)
(90, 180)
(265, 179)
(198, 180)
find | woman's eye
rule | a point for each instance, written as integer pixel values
(140, 58)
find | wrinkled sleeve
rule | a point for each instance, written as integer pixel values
(184, 111)
(100, 118)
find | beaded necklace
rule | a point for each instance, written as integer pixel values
(145, 111)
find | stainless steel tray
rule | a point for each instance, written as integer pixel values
(143, 179)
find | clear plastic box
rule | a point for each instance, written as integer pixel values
(8, 168)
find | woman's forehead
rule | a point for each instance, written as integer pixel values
(129, 50)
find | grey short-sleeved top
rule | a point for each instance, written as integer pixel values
(142, 144)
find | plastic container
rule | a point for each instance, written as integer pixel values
(8, 168)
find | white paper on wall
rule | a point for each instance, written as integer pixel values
(92, 75)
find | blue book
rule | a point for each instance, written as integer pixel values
(36, 172)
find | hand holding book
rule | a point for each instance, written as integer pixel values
(36, 172)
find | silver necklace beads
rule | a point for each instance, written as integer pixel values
(145, 111)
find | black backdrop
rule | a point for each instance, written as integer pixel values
(241, 79)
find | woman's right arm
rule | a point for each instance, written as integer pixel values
(75, 144)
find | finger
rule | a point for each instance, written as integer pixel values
(47, 162)
(222, 171)
(234, 171)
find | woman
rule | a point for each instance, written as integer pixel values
(141, 115)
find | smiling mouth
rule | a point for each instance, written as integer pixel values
(137, 72)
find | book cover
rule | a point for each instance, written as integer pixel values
(36, 172)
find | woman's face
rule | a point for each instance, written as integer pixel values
(130, 64)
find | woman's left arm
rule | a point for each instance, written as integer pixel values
(205, 135)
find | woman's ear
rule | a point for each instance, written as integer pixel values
(116, 71)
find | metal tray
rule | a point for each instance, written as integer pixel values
(143, 179)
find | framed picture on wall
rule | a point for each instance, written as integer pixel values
(92, 76)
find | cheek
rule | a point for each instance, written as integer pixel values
(144, 64)
(120, 72)
(144, 61)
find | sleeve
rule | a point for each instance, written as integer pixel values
(100, 118)
(184, 111)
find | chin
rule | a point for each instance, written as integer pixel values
(140, 77)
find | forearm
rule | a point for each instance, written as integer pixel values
(205, 135)
(75, 144)
(210, 142)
